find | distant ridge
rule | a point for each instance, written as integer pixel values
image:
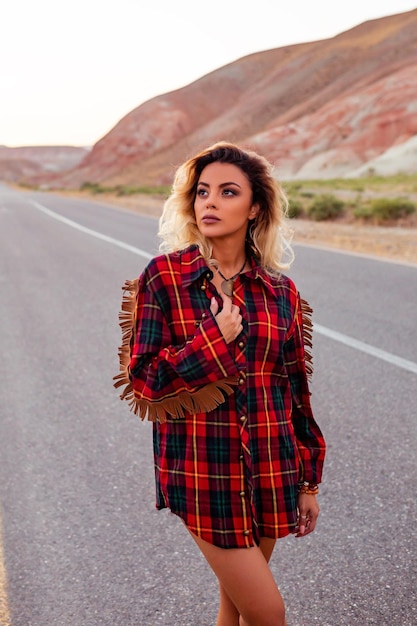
(25, 162)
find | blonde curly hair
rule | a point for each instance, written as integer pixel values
(268, 235)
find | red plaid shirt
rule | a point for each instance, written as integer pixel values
(233, 432)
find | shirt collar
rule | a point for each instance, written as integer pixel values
(194, 266)
(271, 282)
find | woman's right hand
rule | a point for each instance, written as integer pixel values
(229, 320)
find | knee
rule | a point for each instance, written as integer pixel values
(275, 617)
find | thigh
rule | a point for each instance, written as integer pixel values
(245, 576)
(267, 546)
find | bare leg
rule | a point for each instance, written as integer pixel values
(228, 614)
(247, 587)
(267, 546)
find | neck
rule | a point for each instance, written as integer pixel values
(229, 261)
(227, 284)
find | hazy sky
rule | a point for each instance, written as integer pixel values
(70, 71)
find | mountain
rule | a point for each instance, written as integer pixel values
(336, 107)
(27, 162)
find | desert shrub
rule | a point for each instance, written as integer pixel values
(122, 190)
(363, 212)
(295, 208)
(94, 188)
(88, 186)
(325, 207)
(125, 190)
(389, 209)
(292, 186)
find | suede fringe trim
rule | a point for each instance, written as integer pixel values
(202, 400)
(127, 319)
(307, 312)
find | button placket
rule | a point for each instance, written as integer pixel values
(246, 505)
(242, 420)
(242, 377)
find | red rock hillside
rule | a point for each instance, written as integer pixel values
(329, 108)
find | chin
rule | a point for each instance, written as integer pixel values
(210, 231)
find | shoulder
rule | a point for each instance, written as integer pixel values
(286, 284)
(281, 285)
(167, 268)
(288, 296)
(162, 263)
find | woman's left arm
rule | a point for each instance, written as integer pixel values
(310, 441)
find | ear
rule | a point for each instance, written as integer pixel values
(254, 211)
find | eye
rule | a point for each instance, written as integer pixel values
(229, 192)
(201, 192)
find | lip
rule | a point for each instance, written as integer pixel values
(210, 219)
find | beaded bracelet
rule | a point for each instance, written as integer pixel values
(311, 489)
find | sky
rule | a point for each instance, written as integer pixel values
(69, 71)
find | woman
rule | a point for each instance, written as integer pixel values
(217, 360)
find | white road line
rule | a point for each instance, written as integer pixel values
(4, 605)
(367, 348)
(93, 233)
(332, 334)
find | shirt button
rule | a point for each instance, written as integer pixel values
(204, 316)
(242, 493)
(246, 532)
(241, 381)
(241, 344)
(243, 419)
(241, 457)
(197, 324)
(203, 287)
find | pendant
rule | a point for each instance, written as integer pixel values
(227, 287)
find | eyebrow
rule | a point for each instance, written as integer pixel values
(221, 185)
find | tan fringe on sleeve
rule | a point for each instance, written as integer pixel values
(127, 325)
(307, 312)
(203, 400)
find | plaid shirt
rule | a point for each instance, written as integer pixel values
(233, 428)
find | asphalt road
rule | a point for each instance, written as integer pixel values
(82, 542)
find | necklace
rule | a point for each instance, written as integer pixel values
(227, 283)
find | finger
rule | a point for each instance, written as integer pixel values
(214, 306)
(227, 301)
(307, 531)
(236, 315)
(302, 524)
(306, 523)
(311, 524)
(303, 521)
